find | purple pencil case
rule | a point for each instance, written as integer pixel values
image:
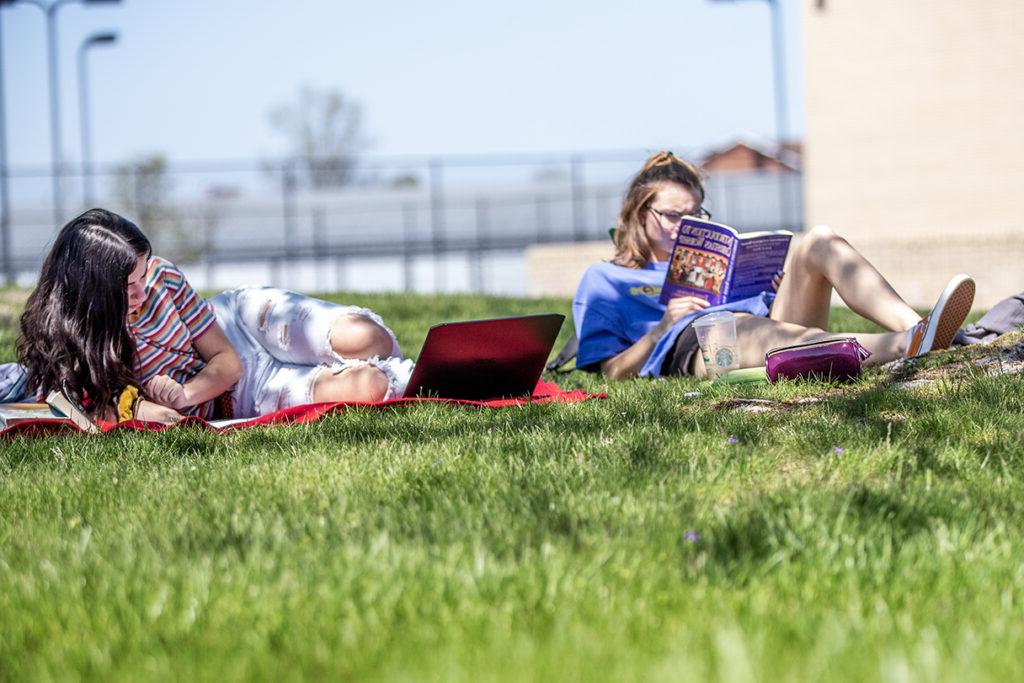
(831, 359)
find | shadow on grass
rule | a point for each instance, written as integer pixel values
(940, 424)
(790, 526)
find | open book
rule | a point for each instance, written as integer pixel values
(58, 408)
(73, 412)
(13, 413)
(714, 262)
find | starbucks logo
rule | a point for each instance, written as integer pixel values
(723, 357)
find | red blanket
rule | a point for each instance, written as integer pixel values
(544, 392)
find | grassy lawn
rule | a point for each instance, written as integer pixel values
(875, 534)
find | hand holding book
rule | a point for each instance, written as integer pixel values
(676, 309)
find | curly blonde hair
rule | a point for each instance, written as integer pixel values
(632, 247)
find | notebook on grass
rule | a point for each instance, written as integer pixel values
(484, 359)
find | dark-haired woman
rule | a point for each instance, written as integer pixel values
(624, 331)
(123, 333)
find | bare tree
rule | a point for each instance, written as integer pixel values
(324, 130)
(143, 188)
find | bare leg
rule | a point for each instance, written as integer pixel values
(759, 335)
(823, 261)
(354, 336)
(358, 383)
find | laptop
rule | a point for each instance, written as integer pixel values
(484, 359)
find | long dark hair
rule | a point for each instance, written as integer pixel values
(74, 333)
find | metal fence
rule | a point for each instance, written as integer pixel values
(454, 223)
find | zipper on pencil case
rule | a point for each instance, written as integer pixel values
(820, 342)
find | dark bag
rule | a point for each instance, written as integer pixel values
(830, 359)
(567, 354)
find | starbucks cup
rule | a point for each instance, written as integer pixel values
(716, 334)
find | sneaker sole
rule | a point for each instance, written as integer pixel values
(956, 302)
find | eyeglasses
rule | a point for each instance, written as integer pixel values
(674, 217)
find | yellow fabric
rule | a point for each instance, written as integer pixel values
(126, 404)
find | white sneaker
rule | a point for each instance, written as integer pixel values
(937, 329)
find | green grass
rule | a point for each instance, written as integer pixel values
(607, 540)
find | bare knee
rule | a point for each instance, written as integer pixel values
(363, 383)
(819, 240)
(366, 383)
(820, 233)
(355, 336)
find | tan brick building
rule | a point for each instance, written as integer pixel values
(914, 147)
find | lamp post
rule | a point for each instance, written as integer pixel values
(105, 38)
(779, 95)
(5, 205)
(778, 70)
(50, 10)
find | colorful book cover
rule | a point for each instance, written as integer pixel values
(714, 262)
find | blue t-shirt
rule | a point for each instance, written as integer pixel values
(615, 306)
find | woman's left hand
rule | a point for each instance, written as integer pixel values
(777, 279)
(165, 391)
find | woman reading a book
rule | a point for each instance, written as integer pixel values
(122, 333)
(625, 332)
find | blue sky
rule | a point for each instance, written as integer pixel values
(196, 80)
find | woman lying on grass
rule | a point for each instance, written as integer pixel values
(122, 332)
(624, 332)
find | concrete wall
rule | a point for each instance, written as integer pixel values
(556, 269)
(914, 149)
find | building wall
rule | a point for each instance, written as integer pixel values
(913, 147)
(556, 269)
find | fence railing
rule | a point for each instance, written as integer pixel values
(432, 222)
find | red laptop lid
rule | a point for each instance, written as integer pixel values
(483, 359)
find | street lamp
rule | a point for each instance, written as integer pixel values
(779, 71)
(5, 206)
(50, 10)
(105, 38)
(779, 91)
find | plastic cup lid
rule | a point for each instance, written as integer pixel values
(714, 318)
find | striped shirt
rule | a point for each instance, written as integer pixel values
(167, 324)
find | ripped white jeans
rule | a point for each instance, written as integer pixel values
(284, 342)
